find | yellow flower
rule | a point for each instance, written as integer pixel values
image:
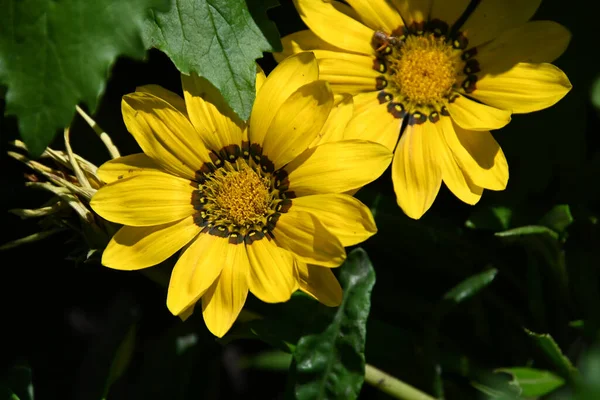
(253, 207)
(445, 77)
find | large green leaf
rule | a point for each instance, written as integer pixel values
(331, 364)
(217, 39)
(54, 55)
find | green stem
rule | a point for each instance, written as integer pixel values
(393, 386)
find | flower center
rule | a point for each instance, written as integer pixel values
(243, 196)
(240, 197)
(424, 69)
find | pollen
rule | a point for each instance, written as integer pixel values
(424, 69)
(242, 196)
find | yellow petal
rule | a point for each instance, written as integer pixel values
(148, 198)
(338, 119)
(319, 283)
(413, 10)
(285, 79)
(533, 42)
(216, 123)
(469, 114)
(260, 78)
(224, 300)
(337, 167)
(133, 248)
(196, 270)
(173, 99)
(125, 167)
(164, 134)
(298, 122)
(376, 124)
(377, 14)
(416, 171)
(453, 176)
(448, 11)
(478, 155)
(524, 88)
(271, 277)
(303, 235)
(185, 314)
(353, 74)
(492, 17)
(364, 100)
(302, 41)
(344, 216)
(326, 20)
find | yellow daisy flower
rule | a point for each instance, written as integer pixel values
(443, 74)
(253, 207)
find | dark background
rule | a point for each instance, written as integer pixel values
(64, 318)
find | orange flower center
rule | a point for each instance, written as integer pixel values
(242, 195)
(424, 69)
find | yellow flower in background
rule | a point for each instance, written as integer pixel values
(256, 206)
(445, 77)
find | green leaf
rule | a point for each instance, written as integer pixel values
(16, 384)
(546, 343)
(470, 286)
(558, 218)
(331, 364)
(54, 55)
(122, 358)
(590, 374)
(595, 93)
(494, 393)
(273, 360)
(218, 40)
(524, 231)
(490, 218)
(546, 269)
(533, 382)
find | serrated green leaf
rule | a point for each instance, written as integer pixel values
(533, 382)
(217, 39)
(470, 286)
(546, 343)
(558, 218)
(331, 364)
(54, 55)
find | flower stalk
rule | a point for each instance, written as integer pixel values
(393, 386)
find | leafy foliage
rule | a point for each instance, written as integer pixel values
(532, 382)
(454, 289)
(218, 40)
(332, 363)
(54, 55)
